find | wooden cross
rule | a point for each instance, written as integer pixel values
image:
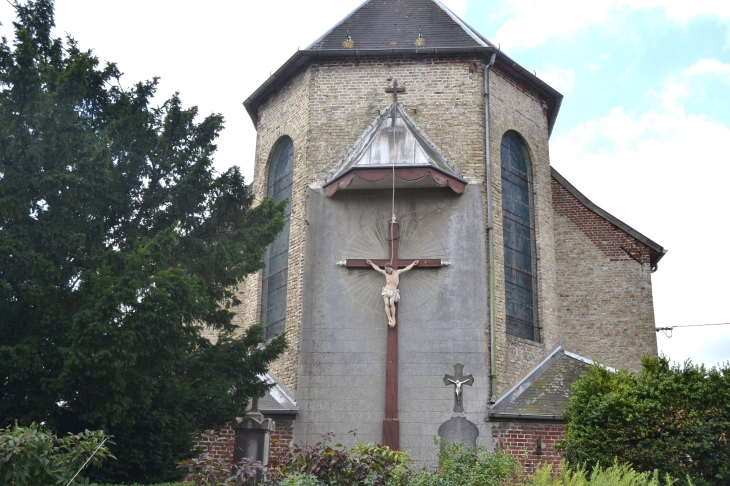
(458, 380)
(395, 90)
(391, 425)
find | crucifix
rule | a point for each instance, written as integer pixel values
(458, 379)
(391, 425)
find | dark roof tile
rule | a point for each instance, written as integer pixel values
(384, 24)
(545, 391)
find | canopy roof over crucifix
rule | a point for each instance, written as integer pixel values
(393, 148)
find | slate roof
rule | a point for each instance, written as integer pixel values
(391, 28)
(277, 402)
(543, 393)
(383, 24)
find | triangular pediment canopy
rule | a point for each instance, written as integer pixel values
(392, 151)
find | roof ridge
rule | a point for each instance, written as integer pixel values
(474, 35)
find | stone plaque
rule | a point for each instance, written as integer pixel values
(459, 429)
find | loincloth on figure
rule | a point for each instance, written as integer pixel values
(389, 293)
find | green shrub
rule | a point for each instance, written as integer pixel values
(32, 456)
(297, 479)
(675, 419)
(367, 464)
(460, 465)
(616, 475)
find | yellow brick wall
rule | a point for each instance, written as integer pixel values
(514, 108)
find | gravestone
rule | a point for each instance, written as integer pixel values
(252, 436)
(459, 429)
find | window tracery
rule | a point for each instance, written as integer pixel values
(276, 271)
(519, 239)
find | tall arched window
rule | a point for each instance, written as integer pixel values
(276, 271)
(519, 239)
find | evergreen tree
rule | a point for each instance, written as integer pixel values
(119, 244)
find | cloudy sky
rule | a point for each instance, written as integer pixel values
(644, 130)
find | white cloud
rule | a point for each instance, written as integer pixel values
(691, 80)
(709, 66)
(665, 173)
(533, 22)
(561, 79)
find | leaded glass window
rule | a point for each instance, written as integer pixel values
(276, 271)
(519, 239)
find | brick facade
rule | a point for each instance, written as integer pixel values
(604, 285)
(220, 444)
(281, 441)
(324, 109)
(328, 105)
(593, 279)
(520, 439)
(513, 107)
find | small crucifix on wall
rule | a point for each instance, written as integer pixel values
(458, 380)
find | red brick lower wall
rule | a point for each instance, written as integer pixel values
(520, 440)
(281, 441)
(220, 444)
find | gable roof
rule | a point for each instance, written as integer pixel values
(394, 144)
(391, 28)
(383, 24)
(276, 402)
(543, 393)
(656, 251)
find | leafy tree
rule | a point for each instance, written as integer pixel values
(119, 244)
(668, 418)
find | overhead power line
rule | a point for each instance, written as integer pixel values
(668, 329)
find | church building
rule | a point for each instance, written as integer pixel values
(403, 136)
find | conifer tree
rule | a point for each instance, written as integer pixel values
(119, 244)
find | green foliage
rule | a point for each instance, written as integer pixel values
(33, 456)
(336, 464)
(158, 484)
(298, 479)
(668, 418)
(615, 475)
(460, 465)
(119, 243)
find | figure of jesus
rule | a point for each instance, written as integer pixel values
(390, 291)
(458, 388)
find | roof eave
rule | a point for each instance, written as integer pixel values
(303, 57)
(506, 417)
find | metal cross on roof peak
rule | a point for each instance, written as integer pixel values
(395, 89)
